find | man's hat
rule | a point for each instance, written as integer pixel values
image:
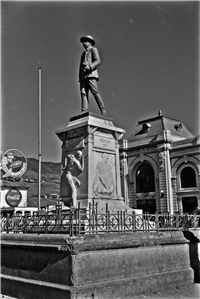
(88, 38)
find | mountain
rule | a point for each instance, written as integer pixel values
(50, 181)
(47, 168)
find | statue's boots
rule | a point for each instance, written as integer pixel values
(100, 103)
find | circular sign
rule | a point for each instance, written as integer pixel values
(14, 163)
(13, 197)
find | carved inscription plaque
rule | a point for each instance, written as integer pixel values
(104, 141)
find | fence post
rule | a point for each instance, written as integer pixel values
(24, 224)
(156, 221)
(107, 218)
(118, 220)
(71, 229)
(96, 217)
(7, 223)
(78, 220)
(47, 223)
(133, 221)
(144, 221)
(124, 221)
(93, 217)
(89, 219)
(121, 222)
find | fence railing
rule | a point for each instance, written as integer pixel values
(80, 221)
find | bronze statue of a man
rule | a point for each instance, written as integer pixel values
(88, 74)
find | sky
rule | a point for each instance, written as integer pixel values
(149, 62)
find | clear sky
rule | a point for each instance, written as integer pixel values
(149, 61)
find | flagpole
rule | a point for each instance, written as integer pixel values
(39, 137)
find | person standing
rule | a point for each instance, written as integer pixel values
(88, 74)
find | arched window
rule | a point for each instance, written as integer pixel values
(145, 179)
(188, 177)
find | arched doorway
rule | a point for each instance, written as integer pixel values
(189, 204)
(145, 186)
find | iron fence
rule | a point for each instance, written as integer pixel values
(80, 221)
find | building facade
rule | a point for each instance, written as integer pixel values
(160, 167)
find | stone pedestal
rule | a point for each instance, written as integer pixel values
(97, 138)
(106, 266)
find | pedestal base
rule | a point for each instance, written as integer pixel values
(113, 205)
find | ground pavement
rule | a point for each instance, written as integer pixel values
(189, 291)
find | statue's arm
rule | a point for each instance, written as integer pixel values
(95, 59)
(82, 163)
(78, 164)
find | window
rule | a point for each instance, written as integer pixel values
(148, 206)
(189, 204)
(145, 179)
(188, 177)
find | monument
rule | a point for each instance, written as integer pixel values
(90, 148)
